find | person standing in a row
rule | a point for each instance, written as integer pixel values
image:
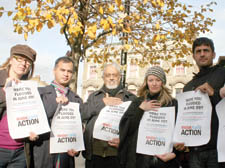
(19, 66)
(153, 94)
(56, 94)
(208, 80)
(98, 153)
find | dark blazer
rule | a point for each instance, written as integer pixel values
(129, 125)
(40, 156)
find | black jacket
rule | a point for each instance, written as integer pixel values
(129, 125)
(93, 106)
(215, 77)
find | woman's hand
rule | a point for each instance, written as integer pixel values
(9, 81)
(150, 105)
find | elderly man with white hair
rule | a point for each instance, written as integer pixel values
(103, 154)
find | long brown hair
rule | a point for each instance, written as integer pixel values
(164, 96)
(28, 75)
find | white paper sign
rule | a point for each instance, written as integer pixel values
(220, 110)
(25, 111)
(66, 129)
(107, 124)
(193, 119)
(155, 131)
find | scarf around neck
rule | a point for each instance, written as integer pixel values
(60, 89)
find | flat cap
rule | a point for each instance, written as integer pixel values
(24, 50)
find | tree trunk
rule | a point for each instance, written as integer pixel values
(76, 58)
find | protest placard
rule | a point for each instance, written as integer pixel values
(193, 119)
(66, 129)
(107, 124)
(220, 107)
(25, 111)
(156, 131)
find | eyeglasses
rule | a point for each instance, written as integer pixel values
(22, 59)
(107, 75)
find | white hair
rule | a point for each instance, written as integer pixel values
(115, 65)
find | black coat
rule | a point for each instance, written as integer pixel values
(40, 157)
(215, 77)
(129, 125)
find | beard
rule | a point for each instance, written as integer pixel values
(113, 86)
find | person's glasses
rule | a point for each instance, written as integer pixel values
(21, 59)
(108, 75)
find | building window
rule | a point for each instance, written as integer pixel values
(92, 71)
(132, 71)
(179, 70)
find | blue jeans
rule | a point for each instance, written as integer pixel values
(203, 159)
(12, 158)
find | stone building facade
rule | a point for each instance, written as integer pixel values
(177, 76)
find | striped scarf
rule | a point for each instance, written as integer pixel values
(62, 91)
(59, 88)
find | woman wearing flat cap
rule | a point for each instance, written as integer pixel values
(18, 67)
(153, 94)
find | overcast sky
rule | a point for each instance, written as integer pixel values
(50, 44)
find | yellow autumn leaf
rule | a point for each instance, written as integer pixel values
(156, 38)
(110, 20)
(114, 31)
(121, 7)
(101, 10)
(135, 41)
(145, 1)
(91, 35)
(48, 16)
(180, 24)
(9, 13)
(157, 26)
(50, 24)
(25, 36)
(118, 2)
(127, 46)
(111, 8)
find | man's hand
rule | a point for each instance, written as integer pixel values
(62, 99)
(111, 101)
(72, 152)
(114, 142)
(206, 88)
(166, 157)
(33, 136)
(150, 105)
(222, 92)
(179, 146)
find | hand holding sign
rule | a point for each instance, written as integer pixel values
(111, 101)
(150, 105)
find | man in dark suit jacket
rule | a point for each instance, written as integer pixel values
(58, 92)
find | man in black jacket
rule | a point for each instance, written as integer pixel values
(98, 153)
(58, 92)
(208, 80)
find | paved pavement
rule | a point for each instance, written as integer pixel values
(79, 162)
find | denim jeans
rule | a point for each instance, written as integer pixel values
(203, 159)
(12, 158)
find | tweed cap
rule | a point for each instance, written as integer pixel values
(23, 50)
(157, 71)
